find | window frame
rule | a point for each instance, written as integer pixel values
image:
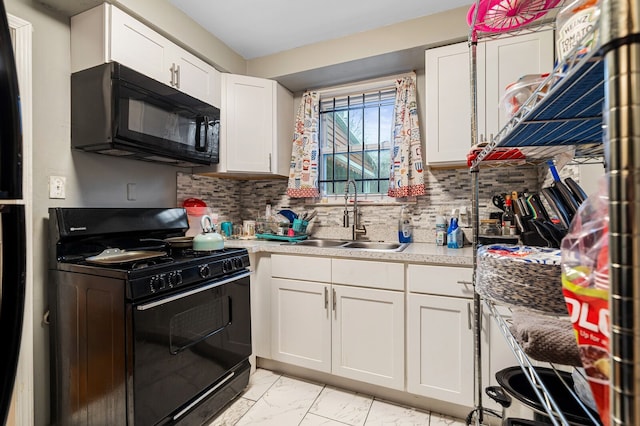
(338, 150)
(354, 90)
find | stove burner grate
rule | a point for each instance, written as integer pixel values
(141, 264)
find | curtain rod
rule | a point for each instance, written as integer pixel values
(364, 86)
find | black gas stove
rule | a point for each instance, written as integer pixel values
(143, 332)
(80, 237)
(168, 273)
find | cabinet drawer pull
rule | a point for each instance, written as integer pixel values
(464, 282)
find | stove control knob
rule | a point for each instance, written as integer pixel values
(237, 262)
(175, 279)
(227, 266)
(154, 283)
(162, 279)
(205, 271)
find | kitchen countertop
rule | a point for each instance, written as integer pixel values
(427, 253)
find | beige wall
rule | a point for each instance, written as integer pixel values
(433, 30)
(94, 180)
(373, 49)
(174, 24)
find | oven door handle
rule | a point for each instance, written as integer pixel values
(191, 292)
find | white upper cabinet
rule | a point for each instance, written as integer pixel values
(105, 33)
(195, 77)
(448, 90)
(508, 59)
(256, 126)
(448, 106)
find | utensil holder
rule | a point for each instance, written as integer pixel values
(300, 226)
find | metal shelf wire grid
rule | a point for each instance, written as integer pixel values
(564, 113)
(568, 113)
(544, 395)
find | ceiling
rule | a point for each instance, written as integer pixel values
(259, 28)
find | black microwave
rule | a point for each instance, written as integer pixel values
(118, 111)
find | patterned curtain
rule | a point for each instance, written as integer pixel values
(303, 173)
(406, 178)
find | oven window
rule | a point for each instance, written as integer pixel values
(191, 326)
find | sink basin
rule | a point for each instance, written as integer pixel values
(322, 243)
(375, 245)
(353, 245)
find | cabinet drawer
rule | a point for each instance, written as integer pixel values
(441, 280)
(364, 273)
(301, 267)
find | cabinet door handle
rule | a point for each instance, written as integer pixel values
(177, 72)
(334, 299)
(172, 70)
(270, 168)
(469, 325)
(464, 282)
(326, 298)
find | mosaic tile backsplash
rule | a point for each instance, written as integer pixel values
(238, 200)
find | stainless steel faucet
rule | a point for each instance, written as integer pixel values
(358, 230)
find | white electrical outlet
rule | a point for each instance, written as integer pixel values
(57, 187)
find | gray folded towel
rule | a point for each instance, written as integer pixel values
(545, 338)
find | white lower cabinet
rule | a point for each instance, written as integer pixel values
(440, 348)
(367, 320)
(367, 335)
(349, 331)
(440, 333)
(301, 323)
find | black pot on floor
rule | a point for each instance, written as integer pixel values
(514, 383)
(520, 422)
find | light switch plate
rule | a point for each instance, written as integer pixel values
(57, 187)
(131, 192)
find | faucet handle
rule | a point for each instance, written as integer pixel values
(359, 232)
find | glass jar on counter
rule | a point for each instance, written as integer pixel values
(490, 227)
(283, 228)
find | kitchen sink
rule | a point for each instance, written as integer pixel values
(322, 243)
(375, 245)
(354, 245)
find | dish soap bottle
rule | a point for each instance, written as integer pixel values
(441, 231)
(455, 238)
(405, 226)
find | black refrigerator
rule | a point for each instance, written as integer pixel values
(12, 220)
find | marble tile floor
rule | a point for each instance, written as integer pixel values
(276, 400)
